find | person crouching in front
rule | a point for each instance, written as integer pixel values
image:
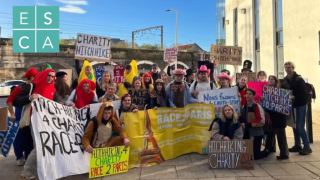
(227, 127)
(98, 133)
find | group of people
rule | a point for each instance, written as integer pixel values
(107, 128)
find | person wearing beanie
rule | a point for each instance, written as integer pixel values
(63, 75)
(178, 91)
(189, 77)
(63, 90)
(154, 72)
(22, 144)
(203, 83)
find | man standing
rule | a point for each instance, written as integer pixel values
(203, 83)
(154, 72)
(299, 98)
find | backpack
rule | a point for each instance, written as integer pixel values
(95, 124)
(195, 85)
(311, 92)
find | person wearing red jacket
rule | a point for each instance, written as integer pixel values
(22, 144)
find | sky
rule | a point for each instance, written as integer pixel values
(118, 18)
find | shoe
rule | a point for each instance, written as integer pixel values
(27, 174)
(295, 149)
(282, 157)
(20, 162)
(305, 151)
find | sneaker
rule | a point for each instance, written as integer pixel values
(295, 149)
(27, 174)
(282, 157)
(20, 162)
(305, 151)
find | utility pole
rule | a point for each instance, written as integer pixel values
(141, 30)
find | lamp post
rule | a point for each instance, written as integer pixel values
(176, 41)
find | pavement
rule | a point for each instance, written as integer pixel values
(195, 166)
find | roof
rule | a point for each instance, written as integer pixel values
(185, 47)
(190, 47)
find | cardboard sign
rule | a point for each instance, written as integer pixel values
(138, 97)
(234, 154)
(94, 108)
(3, 118)
(226, 54)
(252, 76)
(258, 87)
(170, 54)
(277, 100)
(109, 161)
(118, 74)
(93, 47)
(7, 137)
(221, 97)
(59, 130)
(98, 70)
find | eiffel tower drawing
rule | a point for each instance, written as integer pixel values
(149, 156)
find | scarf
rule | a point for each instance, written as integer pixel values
(178, 87)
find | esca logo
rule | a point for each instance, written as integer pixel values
(36, 29)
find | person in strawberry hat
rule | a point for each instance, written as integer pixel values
(178, 91)
(22, 144)
(203, 83)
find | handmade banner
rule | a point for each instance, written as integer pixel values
(109, 161)
(98, 70)
(252, 76)
(3, 118)
(138, 97)
(221, 97)
(118, 74)
(258, 87)
(58, 132)
(277, 100)
(170, 54)
(166, 133)
(7, 137)
(94, 108)
(93, 47)
(226, 54)
(234, 154)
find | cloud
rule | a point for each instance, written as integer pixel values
(71, 2)
(72, 9)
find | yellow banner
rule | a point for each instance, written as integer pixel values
(166, 133)
(109, 161)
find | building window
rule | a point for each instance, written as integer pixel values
(235, 29)
(257, 32)
(279, 38)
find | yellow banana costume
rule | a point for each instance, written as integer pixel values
(128, 78)
(83, 75)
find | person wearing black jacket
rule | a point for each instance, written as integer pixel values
(154, 72)
(157, 97)
(299, 97)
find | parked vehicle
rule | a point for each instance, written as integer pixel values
(6, 85)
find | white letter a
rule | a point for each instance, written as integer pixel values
(47, 44)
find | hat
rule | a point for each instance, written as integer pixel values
(178, 72)
(225, 71)
(155, 65)
(30, 73)
(189, 72)
(247, 64)
(224, 75)
(61, 74)
(159, 81)
(203, 68)
(49, 66)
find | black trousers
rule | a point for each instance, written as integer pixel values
(257, 153)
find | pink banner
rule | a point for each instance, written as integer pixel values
(258, 87)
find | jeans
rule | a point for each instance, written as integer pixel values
(32, 159)
(23, 143)
(300, 131)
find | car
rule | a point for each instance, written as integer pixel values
(5, 86)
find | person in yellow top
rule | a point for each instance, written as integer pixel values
(130, 72)
(87, 72)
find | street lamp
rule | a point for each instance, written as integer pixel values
(176, 42)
